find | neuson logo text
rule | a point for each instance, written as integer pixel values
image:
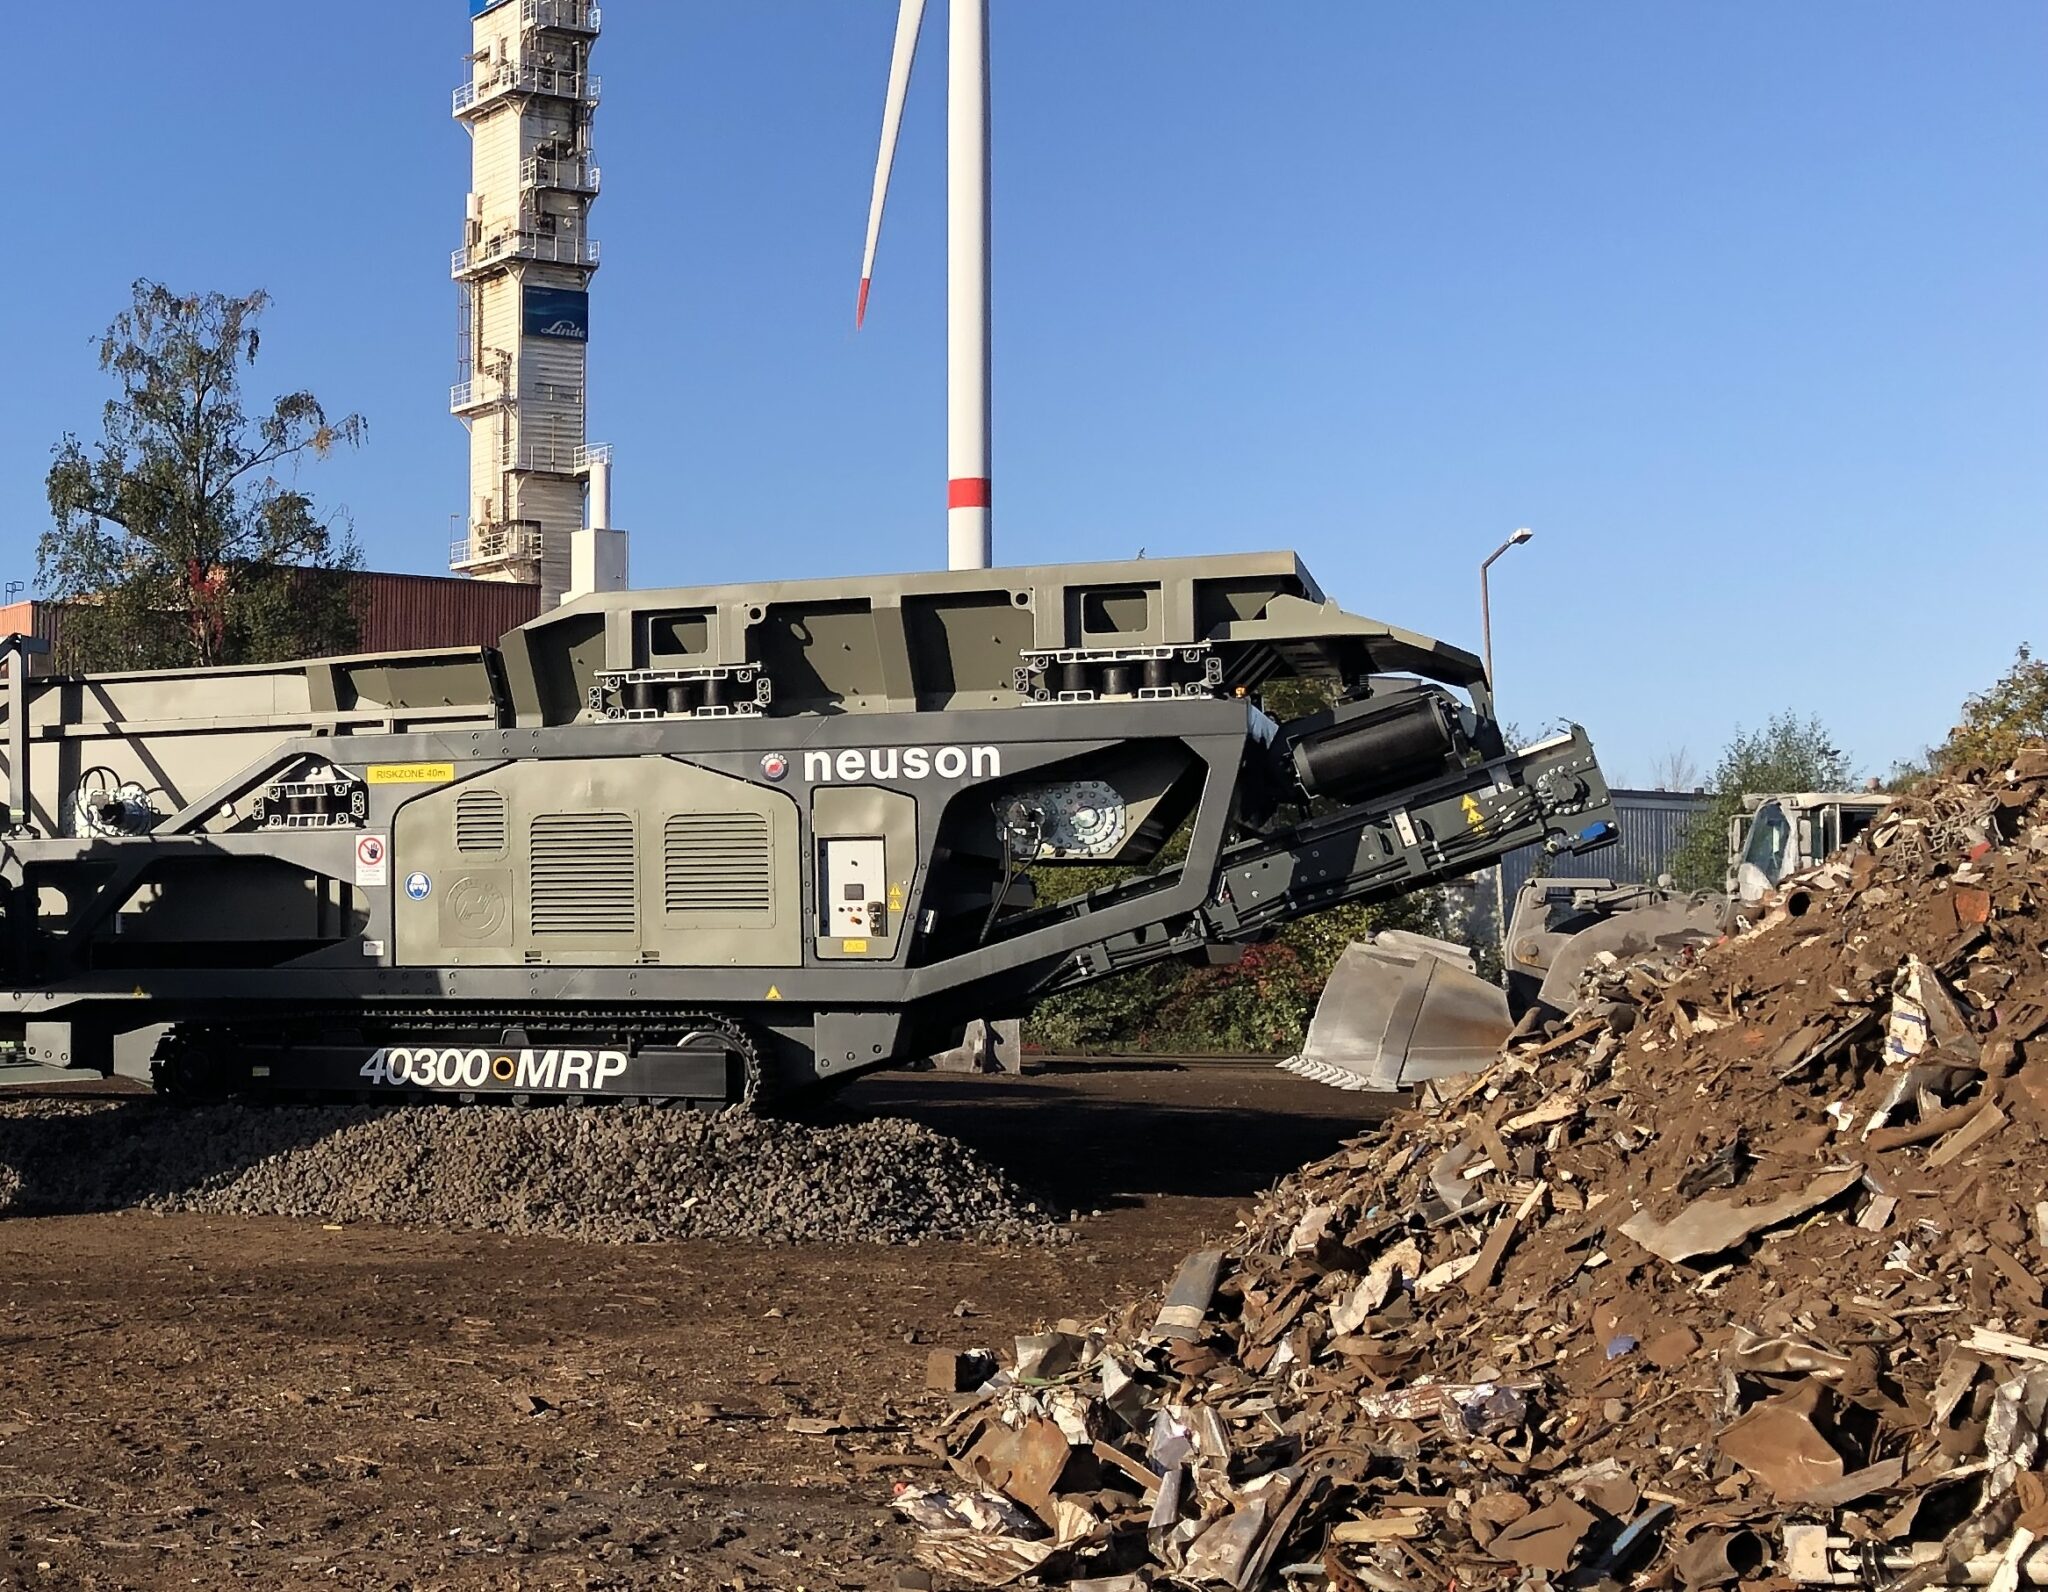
(904, 762)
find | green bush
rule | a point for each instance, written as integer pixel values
(1258, 1006)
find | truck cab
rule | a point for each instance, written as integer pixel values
(1778, 835)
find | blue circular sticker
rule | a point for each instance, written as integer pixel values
(418, 886)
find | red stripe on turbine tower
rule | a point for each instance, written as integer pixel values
(967, 492)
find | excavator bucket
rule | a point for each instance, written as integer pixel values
(1653, 928)
(1401, 1008)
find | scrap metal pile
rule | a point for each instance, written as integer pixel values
(1735, 1276)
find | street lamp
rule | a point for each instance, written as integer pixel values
(1486, 608)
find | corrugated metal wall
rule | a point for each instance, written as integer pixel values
(1653, 825)
(399, 613)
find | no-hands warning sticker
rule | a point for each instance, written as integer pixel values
(373, 861)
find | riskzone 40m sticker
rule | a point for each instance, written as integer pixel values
(453, 1067)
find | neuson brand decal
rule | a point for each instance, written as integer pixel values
(904, 762)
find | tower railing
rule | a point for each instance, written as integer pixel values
(473, 393)
(496, 543)
(577, 174)
(570, 16)
(557, 82)
(548, 456)
(549, 248)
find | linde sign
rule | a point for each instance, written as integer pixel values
(903, 762)
(558, 312)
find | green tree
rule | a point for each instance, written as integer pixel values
(1996, 721)
(1788, 754)
(175, 543)
(1259, 1005)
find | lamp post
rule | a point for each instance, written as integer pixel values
(1485, 607)
(1500, 873)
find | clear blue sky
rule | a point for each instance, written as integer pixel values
(1743, 307)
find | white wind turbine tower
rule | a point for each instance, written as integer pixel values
(967, 238)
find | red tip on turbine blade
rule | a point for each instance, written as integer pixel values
(860, 313)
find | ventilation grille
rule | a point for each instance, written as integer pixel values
(583, 873)
(480, 821)
(719, 862)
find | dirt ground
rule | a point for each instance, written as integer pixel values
(195, 1401)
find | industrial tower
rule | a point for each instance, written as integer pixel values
(539, 496)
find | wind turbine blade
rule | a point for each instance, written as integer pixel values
(909, 19)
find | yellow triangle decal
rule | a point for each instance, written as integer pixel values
(774, 994)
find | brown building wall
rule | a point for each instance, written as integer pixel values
(397, 613)
(31, 619)
(401, 612)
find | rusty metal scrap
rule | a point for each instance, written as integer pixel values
(1734, 1276)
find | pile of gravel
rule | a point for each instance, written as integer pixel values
(610, 1174)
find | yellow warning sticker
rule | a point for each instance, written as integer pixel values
(1473, 816)
(774, 994)
(895, 898)
(854, 947)
(411, 773)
